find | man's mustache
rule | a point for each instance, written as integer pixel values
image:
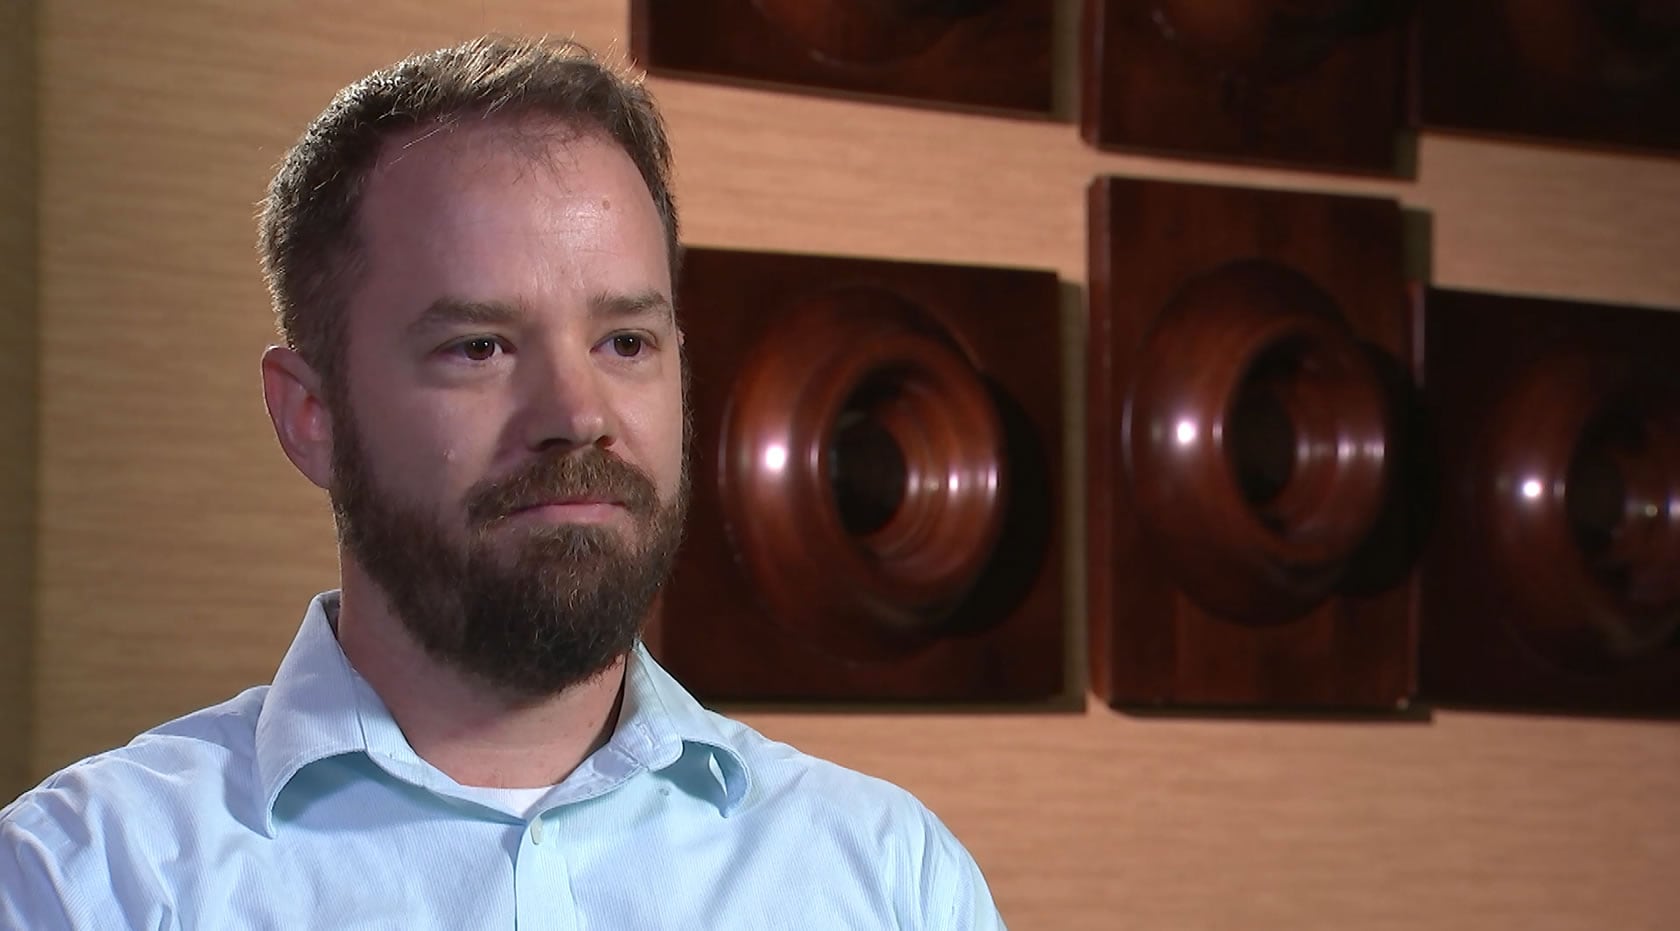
(591, 474)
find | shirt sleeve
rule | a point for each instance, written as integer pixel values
(57, 872)
(955, 894)
(30, 885)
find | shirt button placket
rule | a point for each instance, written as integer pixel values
(542, 885)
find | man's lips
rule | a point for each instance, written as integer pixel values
(569, 501)
(573, 510)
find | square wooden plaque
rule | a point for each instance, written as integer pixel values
(988, 54)
(1553, 580)
(1186, 548)
(1593, 73)
(767, 606)
(1247, 82)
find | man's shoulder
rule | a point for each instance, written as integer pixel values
(100, 834)
(785, 776)
(805, 809)
(199, 759)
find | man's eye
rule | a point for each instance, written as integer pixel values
(479, 349)
(628, 345)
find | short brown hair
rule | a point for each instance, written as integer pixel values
(307, 234)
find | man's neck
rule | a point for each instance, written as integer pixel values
(460, 724)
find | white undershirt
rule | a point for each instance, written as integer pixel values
(523, 801)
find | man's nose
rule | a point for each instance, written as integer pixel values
(565, 401)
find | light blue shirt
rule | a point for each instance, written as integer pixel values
(300, 805)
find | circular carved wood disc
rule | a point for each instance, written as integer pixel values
(1264, 39)
(868, 31)
(1257, 440)
(1620, 45)
(862, 472)
(1581, 500)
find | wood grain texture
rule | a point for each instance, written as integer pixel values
(994, 55)
(1201, 595)
(18, 374)
(1315, 87)
(1528, 596)
(1575, 72)
(816, 614)
(178, 549)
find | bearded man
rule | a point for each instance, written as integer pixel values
(471, 255)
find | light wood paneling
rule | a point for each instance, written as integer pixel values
(178, 549)
(19, 348)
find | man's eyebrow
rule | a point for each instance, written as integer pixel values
(449, 311)
(631, 305)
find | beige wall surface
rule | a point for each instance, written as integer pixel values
(18, 399)
(178, 549)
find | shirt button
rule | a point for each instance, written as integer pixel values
(536, 831)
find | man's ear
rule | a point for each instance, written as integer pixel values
(302, 420)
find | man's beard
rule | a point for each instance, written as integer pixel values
(528, 610)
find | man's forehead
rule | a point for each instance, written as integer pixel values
(469, 142)
(449, 209)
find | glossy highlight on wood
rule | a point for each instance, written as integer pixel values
(1257, 440)
(875, 482)
(1555, 581)
(990, 54)
(862, 472)
(1314, 84)
(1250, 443)
(1595, 72)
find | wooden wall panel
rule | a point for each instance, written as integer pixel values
(993, 55)
(1217, 577)
(1533, 595)
(18, 399)
(777, 594)
(1570, 72)
(1310, 87)
(178, 549)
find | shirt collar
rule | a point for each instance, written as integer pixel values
(660, 711)
(319, 707)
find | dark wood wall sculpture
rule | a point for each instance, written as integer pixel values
(877, 451)
(1299, 83)
(992, 54)
(1554, 579)
(1249, 530)
(1593, 71)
